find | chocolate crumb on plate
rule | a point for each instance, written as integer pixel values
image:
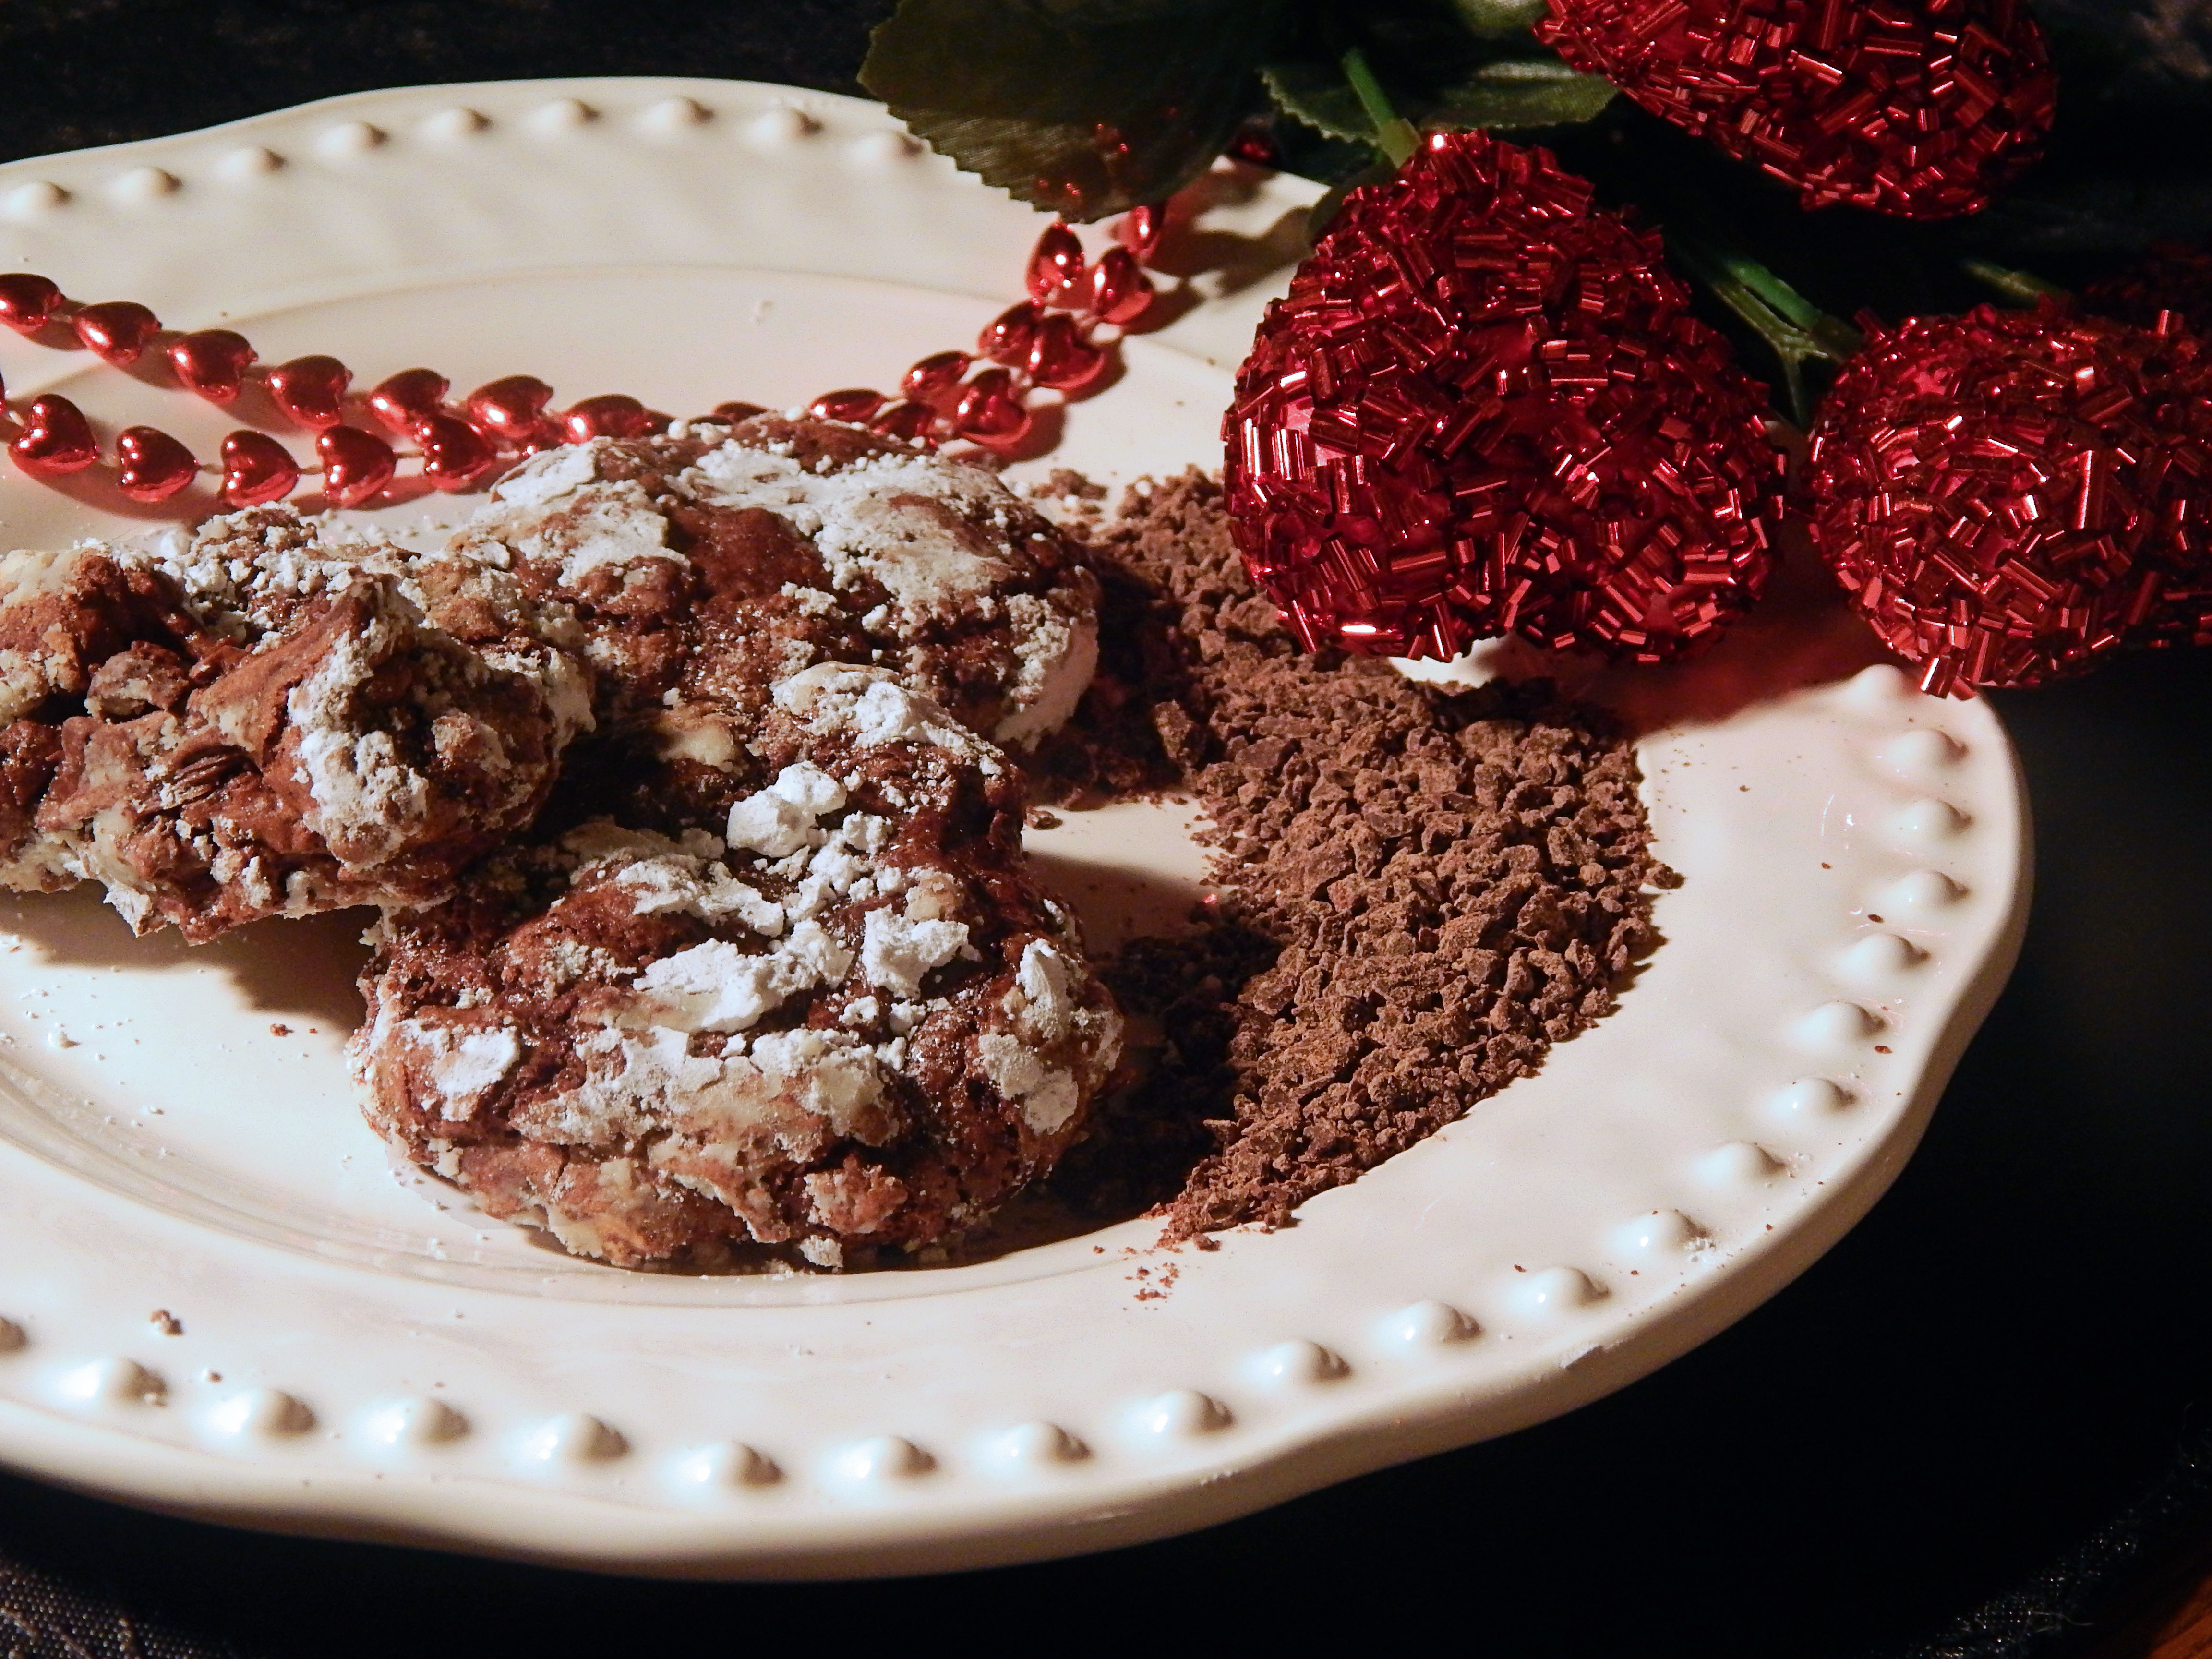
(1421, 891)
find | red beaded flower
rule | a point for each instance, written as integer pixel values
(2007, 495)
(1920, 108)
(1483, 409)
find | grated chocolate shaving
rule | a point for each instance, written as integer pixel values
(1420, 891)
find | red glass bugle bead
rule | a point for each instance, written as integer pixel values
(27, 303)
(991, 410)
(405, 399)
(610, 415)
(152, 466)
(1055, 264)
(455, 453)
(1118, 290)
(909, 423)
(211, 362)
(936, 377)
(1141, 230)
(1005, 338)
(512, 408)
(1059, 357)
(854, 403)
(256, 470)
(311, 391)
(357, 465)
(56, 439)
(116, 330)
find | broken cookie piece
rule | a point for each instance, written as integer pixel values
(255, 720)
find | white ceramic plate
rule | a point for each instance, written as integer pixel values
(176, 1132)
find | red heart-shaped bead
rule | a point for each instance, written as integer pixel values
(407, 398)
(932, 379)
(255, 470)
(1055, 264)
(1060, 357)
(991, 410)
(512, 408)
(155, 466)
(730, 413)
(212, 362)
(56, 439)
(27, 302)
(909, 423)
(1005, 338)
(610, 415)
(357, 465)
(455, 453)
(855, 404)
(311, 391)
(1141, 230)
(117, 329)
(1118, 291)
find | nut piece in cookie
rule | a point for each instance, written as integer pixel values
(711, 563)
(852, 1021)
(251, 722)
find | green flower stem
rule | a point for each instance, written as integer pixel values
(1394, 135)
(2018, 286)
(1795, 329)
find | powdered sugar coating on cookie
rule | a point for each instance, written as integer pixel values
(259, 719)
(866, 551)
(850, 1020)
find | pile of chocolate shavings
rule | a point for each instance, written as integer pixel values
(1421, 891)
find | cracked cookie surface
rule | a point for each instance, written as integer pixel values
(850, 1021)
(264, 719)
(708, 564)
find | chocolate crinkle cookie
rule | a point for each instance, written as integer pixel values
(850, 1021)
(259, 720)
(709, 563)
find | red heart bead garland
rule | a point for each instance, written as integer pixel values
(211, 362)
(311, 391)
(151, 465)
(609, 415)
(55, 440)
(401, 400)
(455, 453)
(512, 408)
(27, 302)
(257, 469)
(1047, 342)
(357, 466)
(117, 331)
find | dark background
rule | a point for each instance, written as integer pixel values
(1974, 1427)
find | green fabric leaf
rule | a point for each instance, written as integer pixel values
(1318, 95)
(1441, 62)
(1499, 19)
(1083, 107)
(1522, 92)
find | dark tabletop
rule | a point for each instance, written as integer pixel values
(1973, 1425)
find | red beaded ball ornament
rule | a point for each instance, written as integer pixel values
(2009, 495)
(1924, 111)
(1484, 409)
